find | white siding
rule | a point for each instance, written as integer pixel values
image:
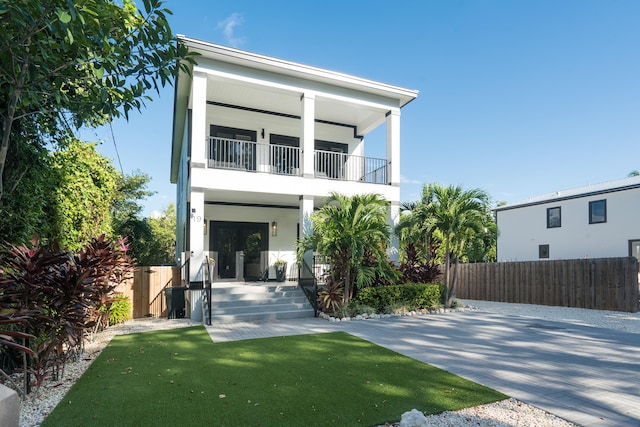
(523, 229)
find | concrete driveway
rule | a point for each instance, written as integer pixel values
(587, 375)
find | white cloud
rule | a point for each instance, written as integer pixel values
(228, 27)
(155, 214)
(405, 180)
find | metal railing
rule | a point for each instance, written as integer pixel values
(231, 154)
(285, 160)
(209, 266)
(341, 166)
(311, 275)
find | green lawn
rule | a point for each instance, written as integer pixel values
(179, 377)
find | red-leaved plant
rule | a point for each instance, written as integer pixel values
(61, 294)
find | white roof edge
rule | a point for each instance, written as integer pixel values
(295, 67)
(583, 191)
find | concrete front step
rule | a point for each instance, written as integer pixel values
(260, 317)
(249, 303)
(264, 301)
(222, 289)
(252, 296)
(257, 308)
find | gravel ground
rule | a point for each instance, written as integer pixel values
(509, 412)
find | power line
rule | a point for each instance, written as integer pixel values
(113, 138)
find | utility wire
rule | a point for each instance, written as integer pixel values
(113, 138)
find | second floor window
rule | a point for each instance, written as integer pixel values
(554, 217)
(598, 211)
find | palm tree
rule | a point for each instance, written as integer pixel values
(343, 230)
(455, 216)
(413, 230)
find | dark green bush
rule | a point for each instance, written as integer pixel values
(418, 296)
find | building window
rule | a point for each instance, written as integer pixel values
(554, 218)
(634, 248)
(543, 251)
(597, 211)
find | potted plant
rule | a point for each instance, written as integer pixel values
(280, 265)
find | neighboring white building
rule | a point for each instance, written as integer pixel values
(258, 144)
(595, 221)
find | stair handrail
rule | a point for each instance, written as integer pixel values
(313, 298)
(208, 288)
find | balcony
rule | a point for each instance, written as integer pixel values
(285, 160)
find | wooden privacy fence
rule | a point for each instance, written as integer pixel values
(146, 290)
(601, 283)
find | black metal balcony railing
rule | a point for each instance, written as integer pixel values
(285, 160)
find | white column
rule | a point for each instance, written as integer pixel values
(196, 253)
(393, 147)
(307, 143)
(306, 209)
(393, 219)
(199, 120)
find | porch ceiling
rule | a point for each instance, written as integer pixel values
(365, 116)
(251, 198)
(236, 197)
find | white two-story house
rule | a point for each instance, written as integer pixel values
(258, 144)
(594, 221)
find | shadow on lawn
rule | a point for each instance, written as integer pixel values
(180, 376)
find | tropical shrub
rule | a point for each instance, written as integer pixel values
(415, 269)
(58, 295)
(120, 309)
(379, 272)
(417, 296)
(330, 298)
(355, 308)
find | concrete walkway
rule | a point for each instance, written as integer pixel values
(589, 376)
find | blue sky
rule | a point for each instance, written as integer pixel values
(519, 98)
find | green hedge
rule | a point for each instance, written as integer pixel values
(418, 296)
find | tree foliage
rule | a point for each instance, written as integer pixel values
(71, 63)
(86, 186)
(163, 246)
(126, 213)
(25, 209)
(153, 239)
(71, 195)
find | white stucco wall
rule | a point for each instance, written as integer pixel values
(523, 229)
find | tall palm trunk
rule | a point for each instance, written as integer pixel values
(447, 261)
(452, 291)
(347, 286)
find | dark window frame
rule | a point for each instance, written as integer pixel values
(543, 251)
(553, 224)
(631, 245)
(592, 205)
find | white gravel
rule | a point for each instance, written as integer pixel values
(509, 412)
